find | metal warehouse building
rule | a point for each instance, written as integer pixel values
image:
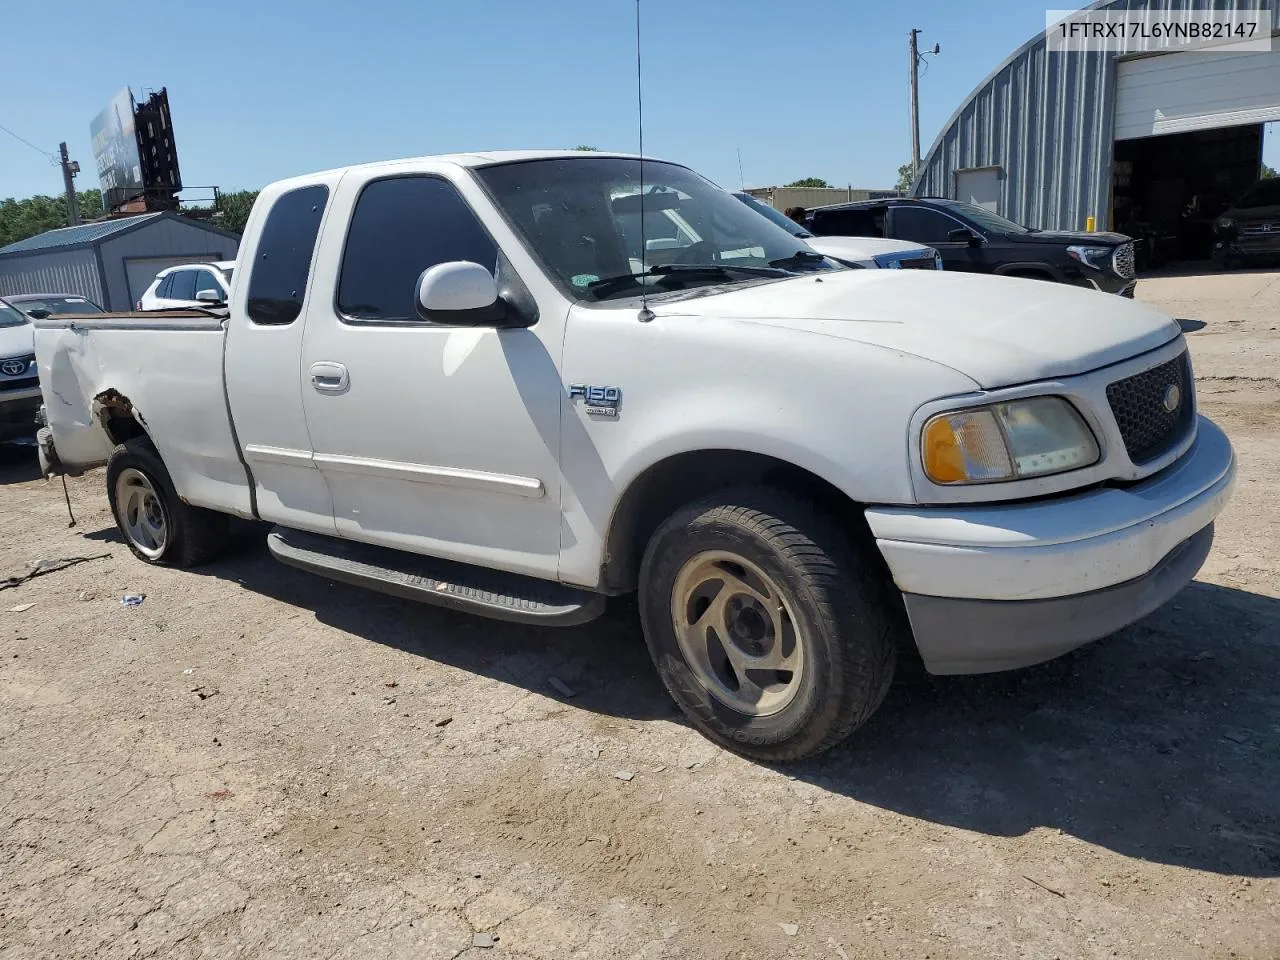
(111, 262)
(1154, 144)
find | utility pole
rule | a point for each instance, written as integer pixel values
(916, 58)
(915, 107)
(69, 169)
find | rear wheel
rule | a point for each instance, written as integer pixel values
(768, 627)
(157, 526)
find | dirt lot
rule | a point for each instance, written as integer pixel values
(257, 763)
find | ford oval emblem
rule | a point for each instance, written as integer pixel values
(1172, 397)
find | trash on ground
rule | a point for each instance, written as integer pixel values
(189, 671)
(1056, 893)
(444, 721)
(21, 608)
(625, 775)
(40, 567)
(560, 686)
(388, 700)
(204, 693)
(133, 599)
(790, 929)
(485, 940)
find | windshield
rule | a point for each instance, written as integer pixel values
(59, 305)
(581, 216)
(777, 216)
(1264, 193)
(9, 317)
(981, 216)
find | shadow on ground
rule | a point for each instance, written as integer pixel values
(18, 463)
(1158, 743)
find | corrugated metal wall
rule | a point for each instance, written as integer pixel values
(1047, 120)
(162, 237)
(58, 271)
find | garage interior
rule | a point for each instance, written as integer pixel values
(1169, 190)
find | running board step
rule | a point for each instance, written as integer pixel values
(458, 586)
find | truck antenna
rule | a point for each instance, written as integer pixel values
(645, 313)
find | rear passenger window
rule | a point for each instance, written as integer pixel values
(282, 263)
(166, 285)
(848, 223)
(401, 227)
(182, 285)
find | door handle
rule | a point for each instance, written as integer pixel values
(328, 377)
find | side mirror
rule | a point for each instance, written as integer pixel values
(460, 293)
(210, 296)
(39, 313)
(964, 235)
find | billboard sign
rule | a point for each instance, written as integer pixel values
(115, 149)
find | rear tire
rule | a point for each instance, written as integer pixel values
(156, 525)
(769, 628)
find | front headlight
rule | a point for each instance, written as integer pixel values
(1006, 441)
(1224, 224)
(1087, 255)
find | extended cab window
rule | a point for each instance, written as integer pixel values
(401, 227)
(923, 225)
(282, 263)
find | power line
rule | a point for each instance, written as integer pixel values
(48, 154)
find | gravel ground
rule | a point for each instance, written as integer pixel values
(258, 763)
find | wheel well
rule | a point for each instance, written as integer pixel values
(666, 486)
(120, 421)
(1031, 273)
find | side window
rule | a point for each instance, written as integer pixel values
(399, 228)
(922, 225)
(206, 281)
(182, 285)
(282, 263)
(166, 285)
(862, 222)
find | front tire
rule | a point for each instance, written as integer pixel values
(768, 627)
(156, 525)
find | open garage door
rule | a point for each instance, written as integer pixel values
(1186, 91)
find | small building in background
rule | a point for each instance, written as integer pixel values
(780, 198)
(113, 261)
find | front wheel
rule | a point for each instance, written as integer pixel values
(770, 629)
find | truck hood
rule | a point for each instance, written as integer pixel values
(998, 331)
(17, 341)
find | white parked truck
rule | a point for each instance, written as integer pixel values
(474, 380)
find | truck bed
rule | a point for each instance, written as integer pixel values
(161, 371)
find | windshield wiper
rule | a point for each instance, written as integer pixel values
(798, 258)
(610, 285)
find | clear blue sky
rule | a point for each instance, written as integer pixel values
(262, 89)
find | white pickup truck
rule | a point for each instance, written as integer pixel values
(469, 380)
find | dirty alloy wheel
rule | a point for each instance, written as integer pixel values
(156, 525)
(769, 627)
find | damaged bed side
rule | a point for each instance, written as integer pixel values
(109, 378)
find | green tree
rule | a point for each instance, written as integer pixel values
(232, 212)
(20, 219)
(904, 177)
(1268, 172)
(809, 182)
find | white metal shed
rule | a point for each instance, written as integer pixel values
(111, 262)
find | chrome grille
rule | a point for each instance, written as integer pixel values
(1141, 407)
(918, 263)
(1122, 261)
(1260, 230)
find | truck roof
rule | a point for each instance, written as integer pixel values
(484, 158)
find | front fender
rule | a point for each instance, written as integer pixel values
(840, 410)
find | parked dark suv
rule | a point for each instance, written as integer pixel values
(975, 239)
(1250, 228)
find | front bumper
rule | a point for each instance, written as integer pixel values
(1003, 586)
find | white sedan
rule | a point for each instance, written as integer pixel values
(854, 251)
(189, 285)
